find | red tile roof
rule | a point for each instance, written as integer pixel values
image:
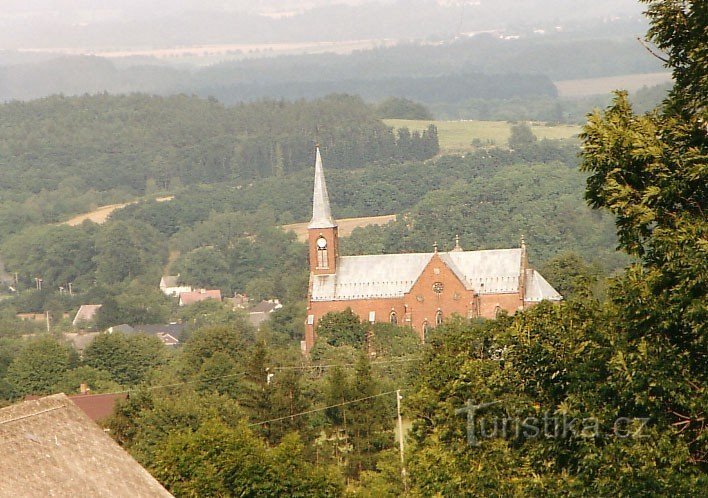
(97, 406)
(186, 298)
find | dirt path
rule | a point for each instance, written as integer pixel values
(346, 225)
(101, 214)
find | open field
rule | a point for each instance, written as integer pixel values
(456, 136)
(225, 51)
(346, 225)
(598, 86)
(101, 214)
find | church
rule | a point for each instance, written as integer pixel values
(418, 289)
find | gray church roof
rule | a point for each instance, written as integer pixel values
(538, 289)
(393, 275)
(321, 212)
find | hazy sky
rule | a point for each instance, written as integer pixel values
(168, 23)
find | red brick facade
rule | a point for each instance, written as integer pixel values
(425, 305)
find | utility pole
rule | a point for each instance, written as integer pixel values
(400, 440)
(48, 321)
(70, 291)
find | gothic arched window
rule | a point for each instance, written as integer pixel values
(439, 317)
(393, 318)
(322, 260)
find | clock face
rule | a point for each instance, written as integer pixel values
(438, 287)
(321, 243)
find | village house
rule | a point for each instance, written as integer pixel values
(419, 289)
(187, 298)
(170, 285)
(86, 315)
(262, 311)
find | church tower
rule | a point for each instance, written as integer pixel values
(323, 236)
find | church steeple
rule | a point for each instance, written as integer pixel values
(323, 235)
(321, 212)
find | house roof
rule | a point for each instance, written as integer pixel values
(186, 298)
(169, 281)
(123, 328)
(81, 341)
(266, 307)
(167, 339)
(52, 448)
(86, 313)
(321, 212)
(493, 271)
(174, 329)
(97, 406)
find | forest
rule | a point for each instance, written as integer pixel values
(61, 155)
(603, 394)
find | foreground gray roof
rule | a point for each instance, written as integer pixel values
(51, 448)
(493, 271)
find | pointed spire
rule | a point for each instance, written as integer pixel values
(523, 241)
(435, 246)
(321, 212)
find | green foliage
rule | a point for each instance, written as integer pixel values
(393, 340)
(402, 108)
(216, 460)
(128, 358)
(38, 366)
(539, 201)
(137, 304)
(342, 329)
(231, 340)
(128, 250)
(98, 381)
(521, 135)
(639, 356)
(571, 275)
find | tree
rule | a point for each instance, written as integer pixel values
(402, 108)
(521, 136)
(342, 328)
(216, 460)
(36, 369)
(370, 425)
(98, 381)
(233, 341)
(638, 357)
(128, 358)
(128, 250)
(571, 275)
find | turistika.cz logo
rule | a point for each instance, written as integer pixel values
(547, 425)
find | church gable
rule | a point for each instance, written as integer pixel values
(438, 280)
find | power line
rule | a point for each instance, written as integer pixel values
(332, 365)
(323, 408)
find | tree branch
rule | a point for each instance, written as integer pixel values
(662, 59)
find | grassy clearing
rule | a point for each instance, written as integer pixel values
(346, 225)
(457, 136)
(100, 215)
(598, 86)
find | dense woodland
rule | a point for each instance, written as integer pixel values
(60, 155)
(209, 419)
